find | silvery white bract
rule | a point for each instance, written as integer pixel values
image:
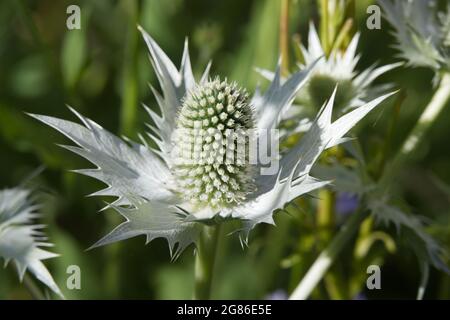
(354, 88)
(159, 197)
(422, 33)
(20, 240)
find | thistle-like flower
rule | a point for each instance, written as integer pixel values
(422, 33)
(338, 69)
(202, 171)
(218, 110)
(21, 241)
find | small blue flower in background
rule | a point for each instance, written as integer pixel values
(278, 294)
(360, 296)
(346, 203)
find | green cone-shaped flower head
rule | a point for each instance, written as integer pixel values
(214, 127)
(321, 87)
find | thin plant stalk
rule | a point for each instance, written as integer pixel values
(342, 35)
(325, 211)
(327, 257)
(325, 26)
(325, 225)
(298, 54)
(427, 118)
(33, 288)
(350, 13)
(130, 77)
(205, 259)
(284, 37)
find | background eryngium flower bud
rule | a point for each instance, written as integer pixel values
(338, 69)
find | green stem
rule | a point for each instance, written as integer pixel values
(284, 37)
(324, 26)
(205, 260)
(342, 35)
(298, 54)
(334, 286)
(32, 288)
(325, 214)
(327, 257)
(130, 79)
(350, 13)
(325, 224)
(427, 118)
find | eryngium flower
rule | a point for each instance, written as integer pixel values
(422, 33)
(219, 110)
(20, 240)
(162, 194)
(354, 88)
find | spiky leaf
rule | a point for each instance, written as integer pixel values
(20, 240)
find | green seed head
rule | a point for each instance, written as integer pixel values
(321, 87)
(212, 142)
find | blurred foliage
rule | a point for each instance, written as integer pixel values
(103, 70)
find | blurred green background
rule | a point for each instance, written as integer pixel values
(103, 71)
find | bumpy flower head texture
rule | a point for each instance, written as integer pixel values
(21, 241)
(422, 33)
(214, 121)
(172, 190)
